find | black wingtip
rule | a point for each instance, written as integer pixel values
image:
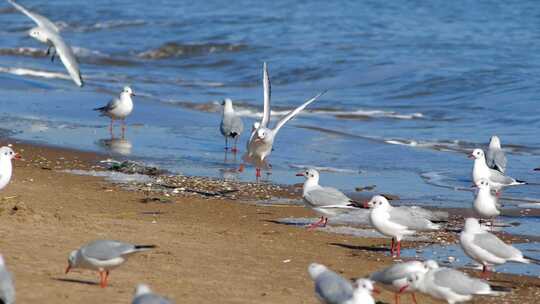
(500, 288)
(145, 246)
(534, 260)
(521, 181)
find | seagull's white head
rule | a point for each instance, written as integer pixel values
(227, 105)
(309, 174)
(142, 289)
(8, 153)
(128, 91)
(316, 270)
(378, 201)
(495, 142)
(477, 154)
(365, 284)
(483, 184)
(262, 133)
(414, 281)
(472, 225)
(73, 260)
(38, 34)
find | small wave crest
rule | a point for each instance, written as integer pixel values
(105, 25)
(174, 49)
(324, 169)
(35, 73)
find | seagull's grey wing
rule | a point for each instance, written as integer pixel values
(495, 246)
(396, 272)
(40, 20)
(294, 112)
(333, 288)
(425, 213)
(267, 94)
(226, 124)
(106, 249)
(459, 282)
(498, 177)
(410, 220)
(67, 56)
(326, 196)
(150, 298)
(237, 126)
(7, 290)
(496, 159)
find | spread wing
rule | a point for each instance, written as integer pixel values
(40, 20)
(496, 159)
(67, 56)
(267, 93)
(294, 112)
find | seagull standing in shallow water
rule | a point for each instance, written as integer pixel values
(119, 108)
(48, 33)
(497, 180)
(262, 139)
(231, 124)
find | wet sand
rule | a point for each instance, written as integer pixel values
(211, 249)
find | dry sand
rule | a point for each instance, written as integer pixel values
(210, 250)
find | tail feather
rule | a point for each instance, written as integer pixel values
(145, 247)
(500, 289)
(521, 182)
(101, 109)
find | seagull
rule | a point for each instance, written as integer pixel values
(487, 249)
(6, 168)
(331, 288)
(7, 290)
(497, 180)
(486, 204)
(119, 108)
(495, 157)
(394, 278)
(393, 222)
(231, 124)
(143, 295)
(326, 201)
(103, 256)
(47, 32)
(262, 139)
(451, 285)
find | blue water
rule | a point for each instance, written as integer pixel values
(413, 86)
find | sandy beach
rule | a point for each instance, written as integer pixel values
(210, 250)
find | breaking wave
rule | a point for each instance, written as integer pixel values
(174, 49)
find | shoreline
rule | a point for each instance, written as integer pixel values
(210, 248)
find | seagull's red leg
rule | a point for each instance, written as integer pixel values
(258, 172)
(111, 126)
(316, 224)
(398, 249)
(396, 298)
(392, 248)
(102, 279)
(413, 296)
(241, 169)
(234, 149)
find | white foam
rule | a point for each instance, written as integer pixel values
(325, 169)
(35, 73)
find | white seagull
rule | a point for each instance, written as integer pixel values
(103, 256)
(485, 204)
(7, 290)
(497, 180)
(119, 108)
(47, 32)
(262, 139)
(331, 288)
(394, 278)
(495, 157)
(326, 201)
(451, 285)
(6, 168)
(487, 249)
(144, 295)
(395, 223)
(231, 124)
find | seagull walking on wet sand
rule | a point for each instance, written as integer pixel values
(497, 180)
(395, 223)
(331, 288)
(7, 289)
(495, 157)
(119, 108)
(451, 285)
(262, 139)
(394, 278)
(231, 124)
(103, 256)
(487, 249)
(6, 168)
(485, 204)
(326, 201)
(143, 295)
(47, 32)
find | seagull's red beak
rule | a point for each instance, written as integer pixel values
(402, 289)
(471, 156)
(366, 205)
(376, 290)
(17, 156)
(68, 268)
(300, 174)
